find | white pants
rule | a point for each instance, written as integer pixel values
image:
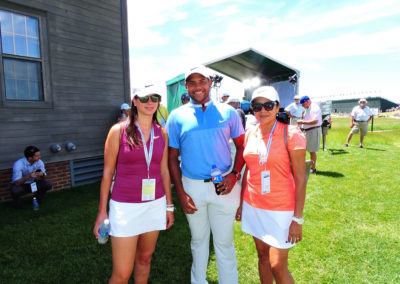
(215, 212)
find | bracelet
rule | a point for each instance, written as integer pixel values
(170, 207)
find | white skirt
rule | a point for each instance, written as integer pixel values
(132, 219)
(271, 227)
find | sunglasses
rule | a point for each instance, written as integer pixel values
(145, 99)
(268, 106)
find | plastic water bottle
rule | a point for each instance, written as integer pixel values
(104, 231)
(35, 204)
(216, 175)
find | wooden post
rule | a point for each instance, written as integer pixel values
(372, 124)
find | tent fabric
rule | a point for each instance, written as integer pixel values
(175, 89)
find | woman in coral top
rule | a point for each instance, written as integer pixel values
(273, 187)
(141, 202)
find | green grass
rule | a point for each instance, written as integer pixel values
(351, 233)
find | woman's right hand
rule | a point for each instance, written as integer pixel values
(101, 216)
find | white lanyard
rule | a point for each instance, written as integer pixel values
(263, 152)
(147, 154)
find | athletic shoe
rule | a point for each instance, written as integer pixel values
(313, 171)
(361, 146)
(346, 145)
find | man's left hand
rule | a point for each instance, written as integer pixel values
(227, 184)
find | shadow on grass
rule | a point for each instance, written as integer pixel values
(330, 174)
(374, 149)
(337, 151)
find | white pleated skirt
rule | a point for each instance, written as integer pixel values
(271, 227)
(132, 219)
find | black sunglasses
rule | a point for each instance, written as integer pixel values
(268, 106)
(154, 99)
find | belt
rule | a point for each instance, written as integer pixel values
(360, 121)
(306, 129)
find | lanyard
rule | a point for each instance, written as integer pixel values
(306, 112)
(261, 148)
(148, 154)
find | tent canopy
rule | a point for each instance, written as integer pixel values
(241, 66)
(252, 63)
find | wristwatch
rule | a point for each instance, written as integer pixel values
(238, 175)
(298, 220)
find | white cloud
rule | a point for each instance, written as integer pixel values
(352, 43)
(210, 3)
(146, 37)
(191, 33)
(145, 15)
(228, 11)
(300, 23)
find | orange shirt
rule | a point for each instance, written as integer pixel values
(282, 194)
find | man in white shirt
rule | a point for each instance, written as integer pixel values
(312, 127)
(225, 98)
(295, 110)
(360, 116)
(29, 171)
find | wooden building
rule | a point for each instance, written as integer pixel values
(64, 73)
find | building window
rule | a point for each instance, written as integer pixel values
(22, 60)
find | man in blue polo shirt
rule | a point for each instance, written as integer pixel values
(200, 131)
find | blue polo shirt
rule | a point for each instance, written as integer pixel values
(203, 137)
(22, 168)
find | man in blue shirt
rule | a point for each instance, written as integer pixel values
(27, 172)
(200, 131)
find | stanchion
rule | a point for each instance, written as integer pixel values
(372, 124)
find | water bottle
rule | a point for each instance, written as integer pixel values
(35, 204)
(216, 174)
(104, 231)
(216, 177)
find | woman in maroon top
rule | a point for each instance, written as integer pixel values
(141, 202)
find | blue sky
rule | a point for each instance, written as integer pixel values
(340, 47)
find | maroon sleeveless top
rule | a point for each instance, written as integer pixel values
(132, 168)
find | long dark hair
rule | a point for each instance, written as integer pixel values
(132, 138)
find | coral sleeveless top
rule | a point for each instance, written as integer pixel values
(282, 195)
(132, 168)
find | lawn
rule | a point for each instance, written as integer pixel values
(351, 233)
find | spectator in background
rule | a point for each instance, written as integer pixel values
(326, 124)
(360, 116)
(251, 121)
(185, 98)
(125, 109)
(312, 126)
(234, 102)
(162, 114)
(224, 98)
(295, 110)
(29, 174)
